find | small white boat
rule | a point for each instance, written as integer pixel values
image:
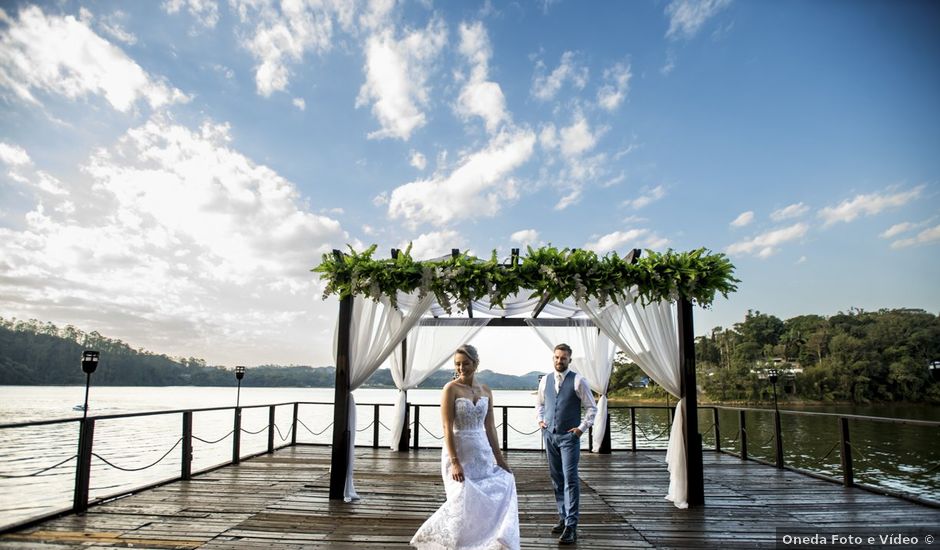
(78, 408)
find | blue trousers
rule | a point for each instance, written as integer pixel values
(564, 453)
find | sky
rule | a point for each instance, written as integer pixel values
(171, 171)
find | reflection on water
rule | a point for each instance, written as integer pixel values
(899, 457)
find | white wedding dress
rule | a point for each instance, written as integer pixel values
(482, 512)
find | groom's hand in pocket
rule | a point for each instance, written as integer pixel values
(575, 431)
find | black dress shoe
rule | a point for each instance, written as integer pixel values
(570, 536)
(559, 527)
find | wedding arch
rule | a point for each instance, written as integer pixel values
(640, 305)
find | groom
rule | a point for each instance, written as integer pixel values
(561, 396)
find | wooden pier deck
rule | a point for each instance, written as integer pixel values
(280, 501)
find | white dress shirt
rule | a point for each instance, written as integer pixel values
(581, 388)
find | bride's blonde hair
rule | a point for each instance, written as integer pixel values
(470, 353)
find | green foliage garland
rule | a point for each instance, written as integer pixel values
(697, 275)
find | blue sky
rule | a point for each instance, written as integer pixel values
(169, 171)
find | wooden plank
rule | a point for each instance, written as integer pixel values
(281, 501)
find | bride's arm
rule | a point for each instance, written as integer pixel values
(491, 432)
(448, 411)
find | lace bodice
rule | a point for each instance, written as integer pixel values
(469, 416)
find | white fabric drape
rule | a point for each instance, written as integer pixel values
(427, 349)
(592, 358)
(376, 329)
(648, 337)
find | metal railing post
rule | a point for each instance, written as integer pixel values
(186, 461)
(237, 437)
(742, 426)
(717, 430)
(86, 437)
(505, 428)
(848, 475)
(417, 424)
(375, 426)
(271, 429)
(293, 429)
(633, 429)
(778, 439)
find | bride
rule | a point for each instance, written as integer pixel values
(481, 511)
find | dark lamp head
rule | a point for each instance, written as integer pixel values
(89, 361)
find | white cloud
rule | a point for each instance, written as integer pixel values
(62, 55)
(574, 142)
(13, 155)
(867, 205)
(897, 229)
(647, 197)
(480, 96)
(418, 160)
(765, 244)
(283, 33)
(477, 187)
(206, 12)
(573, 197)
(112, 26)
(743, 219)
(789, 212)
(435, 244)
(300, 103)
(545, 87)
(397, 75)
(614, 91)
(670, 64)
(525, 236)
(171, 229)
(686, 17)
(926, 236)
(622, 241)
(577, 138)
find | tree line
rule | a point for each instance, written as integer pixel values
(856, 356)
(37, 353)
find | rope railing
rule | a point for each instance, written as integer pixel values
(39, 472)
(214, 441)
(283, 437)
(366, 428)
(129, 469)
(301, 422)
(661, 434)
(429, 432)
(263, 428)
(513, 428)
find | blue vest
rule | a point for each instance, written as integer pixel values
(563, 409)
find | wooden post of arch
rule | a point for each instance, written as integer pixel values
(693, 439)
(339, 462)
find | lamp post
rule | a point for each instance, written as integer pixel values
(778, 444)
(239, 374)
(89, 364)
(772, 376)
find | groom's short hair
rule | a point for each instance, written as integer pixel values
(564, 347)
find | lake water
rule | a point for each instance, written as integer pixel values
(903, 458)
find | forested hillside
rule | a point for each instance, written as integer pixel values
(859, 356)
(35, 353)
